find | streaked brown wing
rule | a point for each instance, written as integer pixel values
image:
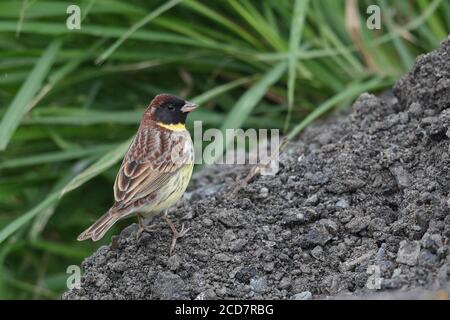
(148, 164)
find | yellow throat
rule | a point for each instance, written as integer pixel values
(173, 127)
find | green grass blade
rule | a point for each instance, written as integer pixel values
(152, 15)
(214, 92)
(54, 157)
(25, 218)
(297, 24)
(24, 96)
(98, 167)
(244, 106)
(350, 93)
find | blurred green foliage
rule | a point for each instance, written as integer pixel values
(71, 99)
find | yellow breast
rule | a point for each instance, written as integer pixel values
(170, 193)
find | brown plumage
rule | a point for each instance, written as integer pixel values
(156, 168)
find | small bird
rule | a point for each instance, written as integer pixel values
(155, 171)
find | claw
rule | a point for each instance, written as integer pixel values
(142, 227)
(176, 234)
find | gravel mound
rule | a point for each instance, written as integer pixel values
(360, 206)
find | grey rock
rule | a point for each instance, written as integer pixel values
(258, 285)
(401, 176)
(317, 235)
(285, 283)
(357, 224)
(169, 286)
(245, 274)
(222, 257)
(305, 295)
(342, 204)
(238, 245)
(174, 262)
(312, 200)
(263, 193)
(408, 252)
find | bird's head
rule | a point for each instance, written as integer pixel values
(169, 111)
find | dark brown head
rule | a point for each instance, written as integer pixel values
(168, 109)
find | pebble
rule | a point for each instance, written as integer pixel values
(317, 235)
(408, 252)
(119, 266)
(169, 286)
(358, 224)
(312, 200)
(263, 193)
(258, 285)
(269, 266)
(317, 253)
(285, 283)
(294, 216)
(229, 235)
(174, 262)
(415, 109)
(305, 295)
(245, 274)
(222, 257)
(401, 176)
(342, 204)
(238, 245)
(207, 222)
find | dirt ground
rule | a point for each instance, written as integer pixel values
(360, 207)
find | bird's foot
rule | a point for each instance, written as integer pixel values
(176, 234)
(143, 228)
(147, 229)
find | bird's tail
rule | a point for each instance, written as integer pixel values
(101, 226)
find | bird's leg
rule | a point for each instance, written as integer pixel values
(176, 234)
(142, 226)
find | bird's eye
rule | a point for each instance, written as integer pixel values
(171, 107)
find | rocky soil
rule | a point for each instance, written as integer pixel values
(359, 207)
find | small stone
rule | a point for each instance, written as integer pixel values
(174, 262)
(207, 295)
(269, 266)
(317, 235)
(331, 226)
(305, 295)
(263, 193)
(245, 274)
(119, 266)
(312, 200)
(221, 292)
(401, 176)
(317, 253)
(229, 235)
(415, 109)
(285, 283)
(408, 252)
(428, 259)
(342, 204)
(238, 245)
(358, 224)
(222, 257)
(294, 216)
(258, 285)
(168, 286)
(207, 222)
(432, 242)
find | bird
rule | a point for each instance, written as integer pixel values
(155, 170)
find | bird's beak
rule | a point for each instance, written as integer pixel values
(188, 107)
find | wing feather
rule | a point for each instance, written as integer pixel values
(149, 164)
